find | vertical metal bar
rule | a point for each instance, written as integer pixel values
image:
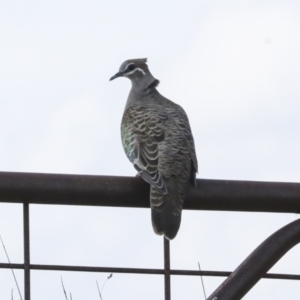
(26, 251)
(167, 269)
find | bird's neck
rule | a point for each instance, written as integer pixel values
(142, 93)
(141, 82)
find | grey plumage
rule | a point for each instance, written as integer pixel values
(158, 141)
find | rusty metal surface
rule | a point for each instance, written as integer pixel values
(256, 265)
(223, 195)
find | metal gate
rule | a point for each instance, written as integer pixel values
(220, 195)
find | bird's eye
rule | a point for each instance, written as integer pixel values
(131, 67)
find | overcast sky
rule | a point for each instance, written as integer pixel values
(233, 66)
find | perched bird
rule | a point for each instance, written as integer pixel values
(158, 141)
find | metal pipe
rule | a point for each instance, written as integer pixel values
(256, 265)
(225, 195)
(26, 252)
(139, 271)
(167, 269)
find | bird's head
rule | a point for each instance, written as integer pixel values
(138, 72)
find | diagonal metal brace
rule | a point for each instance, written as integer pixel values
(256, 265)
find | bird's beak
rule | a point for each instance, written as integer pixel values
(119, 74)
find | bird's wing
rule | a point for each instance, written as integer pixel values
(184, 125)
(142, 129)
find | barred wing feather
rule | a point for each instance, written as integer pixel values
(142, 130)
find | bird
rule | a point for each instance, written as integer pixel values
(158, 141)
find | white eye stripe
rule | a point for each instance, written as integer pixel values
(136, 69)
(130, 64)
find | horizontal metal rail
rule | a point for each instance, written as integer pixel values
(140, 271)
(222, 195)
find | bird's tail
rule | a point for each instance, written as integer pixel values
(166, 213)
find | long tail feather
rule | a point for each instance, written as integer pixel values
(165, 222)
(166, 214)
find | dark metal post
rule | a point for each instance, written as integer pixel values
(26, 252)
(167, 269)
(258, 263)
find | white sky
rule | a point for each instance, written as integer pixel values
(233, 66)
